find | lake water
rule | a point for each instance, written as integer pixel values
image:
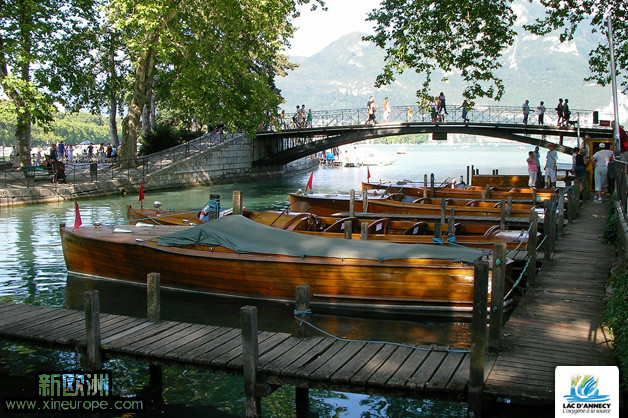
(32, 271)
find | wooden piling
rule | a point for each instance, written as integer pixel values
(424, 185)
(91, 305)
(472, 174)
(451, 225)
(237, 202)
(532, 235)
(498, 279)
(438, 230)
(571, 204)
(365, 200)
(560, 222)
(468, 176)
(443, 210)
(484, 194)
(302, 307)
(250, 361)
(432, 185)
(364, 231)
(352, 203)
(502, 215)
(478, 337)
(348, 229)
(153, 296)
(509, 207)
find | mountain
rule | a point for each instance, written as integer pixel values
(536, 68)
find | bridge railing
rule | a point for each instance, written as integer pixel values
(510, 115)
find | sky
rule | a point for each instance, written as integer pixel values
(318, 29)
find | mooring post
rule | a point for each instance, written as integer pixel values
(302, 309)
(498, 279)
(348, 229)
(576, 189)
(560, 223)
(432, 185)
(484, 193)
(364, 231)
(534, 225)
(534, 199)
(438, 231)
(250, 360)
(153, 294)
(478, 337)
(571, 205)
(554, 202)
(424, 185)
(443, 210)
(91, 305)
(509, 207)
(468, 176)
(365, 200)
(472, 174)
(451, 225)
(502, 215)
(237, 202)
(352, 203)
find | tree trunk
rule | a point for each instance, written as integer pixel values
(131, 123)
(23, 137)
(113, 100)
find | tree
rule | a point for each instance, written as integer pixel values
(31, 33)
(215, 58)
(469, 37)
(564, 16)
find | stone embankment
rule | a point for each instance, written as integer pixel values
(224, 159)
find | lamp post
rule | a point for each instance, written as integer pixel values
(614, 87)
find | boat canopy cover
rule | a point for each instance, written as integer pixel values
(246, 236)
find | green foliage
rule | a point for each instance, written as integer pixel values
(611, 228)
(164, 137)
(403, 139)
(616, 319)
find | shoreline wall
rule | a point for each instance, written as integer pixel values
(229, 162)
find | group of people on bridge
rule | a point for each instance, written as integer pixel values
(562, 111)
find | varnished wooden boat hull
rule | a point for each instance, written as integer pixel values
(434, 287)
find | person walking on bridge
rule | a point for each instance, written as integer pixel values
(370, 105)
(600, 162)
(540, 112)
(386, 109)
(526, 111)
(559, 112)
(550, 167)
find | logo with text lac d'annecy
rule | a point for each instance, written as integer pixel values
(590, 390)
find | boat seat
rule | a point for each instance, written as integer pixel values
(497, 205)
(339, 225)
(422, 200)
(299, 207)
(472, 203)
(380, 226)
(419, 228)
(300, 222)
(492, 231)
(397, 197)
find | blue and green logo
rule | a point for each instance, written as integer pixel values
(584, 389)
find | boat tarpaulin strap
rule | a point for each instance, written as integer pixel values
(245, 236)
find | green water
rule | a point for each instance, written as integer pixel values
(32, 271)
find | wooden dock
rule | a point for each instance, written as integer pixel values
(313, 362)
(557, 322)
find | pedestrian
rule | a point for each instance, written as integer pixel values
(61, 151)
(566, 113)
(526, 111)
(296, 118)
(70, 153)
(442, 108)
(371, 111)
(303, 116)
(386, 109)
(309, 118)
(559, 112)
(550, 167)
(434, 110)
(282, 119)
(540, 112)
(580, 165)
(90, 151)
(464, 108)
(600, 162)
(532, 170)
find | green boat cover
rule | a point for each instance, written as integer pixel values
(246, 236)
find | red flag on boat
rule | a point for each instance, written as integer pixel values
(141, 191)
(309, 182)
(77, 216)
(368, 174)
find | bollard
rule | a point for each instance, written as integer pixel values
(478, 337)
(237, 202)
(250, 361)
(91, 305)
(348, 229)
(352, 203)
(364, 231)
(498, 279)
(534, 225)
(153, 295)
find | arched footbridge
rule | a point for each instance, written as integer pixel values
(288, 141)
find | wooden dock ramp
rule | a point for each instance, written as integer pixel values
(557, 322)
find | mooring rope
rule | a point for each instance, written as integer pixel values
(413, 347)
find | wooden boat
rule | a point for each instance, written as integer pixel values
(234, 256)
(328, 205)
(472, 192)
(303, 221)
